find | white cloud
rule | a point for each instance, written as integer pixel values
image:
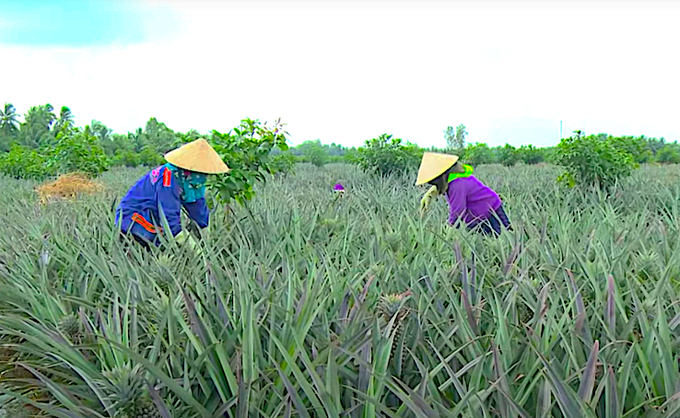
(346, 72)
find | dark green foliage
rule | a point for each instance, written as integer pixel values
(25, 163)
(593, 160)
(75, 151)
(387, 155)
(78, 151)
(508, 155)
(283, 162)
(529, 154)
(247, 152)
(313, 152)
(637, 147)
(477, 154)
(669, 154)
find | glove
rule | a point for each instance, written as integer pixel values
(427, 198)
(185, 238)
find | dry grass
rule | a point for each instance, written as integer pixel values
(68, 186)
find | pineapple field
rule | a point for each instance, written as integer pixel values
(305, 303)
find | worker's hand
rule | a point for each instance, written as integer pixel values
(427, 198)
(186, 238)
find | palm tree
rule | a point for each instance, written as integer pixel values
(65, 121)
(9, 123)
(35, 131)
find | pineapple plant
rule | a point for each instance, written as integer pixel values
(72, 327)
(130, 398)
(392, 306)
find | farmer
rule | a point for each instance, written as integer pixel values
(167, 189)
(468, 198)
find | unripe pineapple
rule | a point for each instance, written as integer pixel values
(391, 306)
(17, 409)
(72, 327)
(144, 408)
(128, 394)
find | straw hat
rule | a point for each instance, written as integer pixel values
(197, 156)
(434, 165)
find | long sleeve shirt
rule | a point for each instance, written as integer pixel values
(139, 210)
(470, 200)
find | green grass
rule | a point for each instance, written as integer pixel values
(573, 314)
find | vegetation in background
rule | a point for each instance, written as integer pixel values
(595, 160)
(26, 148)
(247, 151)
(386, 155)
(455, 138)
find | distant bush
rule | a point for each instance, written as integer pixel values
(283, 162)
(637, 147)
(508, 155)
(386, 155)
(669, 154)
(478, 154)
(25, 163)
(76, 150)
(593, 160)
(529, 154)
(80, 151)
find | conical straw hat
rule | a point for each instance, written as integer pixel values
(197, 156)
(434, 165)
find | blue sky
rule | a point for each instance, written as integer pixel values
(347, 71)
(81, 23)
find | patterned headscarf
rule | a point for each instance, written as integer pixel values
(192, 184)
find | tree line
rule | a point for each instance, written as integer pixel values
(48, 142)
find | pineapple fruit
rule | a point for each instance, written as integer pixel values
(128, 394)
(392, 306)
(72, 327)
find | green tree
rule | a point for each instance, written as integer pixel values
(455, 138)
(80, 151)
(530, 154)
(480, 153)
(461, 133)
(246, 150)
(9, 126)
(314, 152)
(593, 161)
(507, 155)
(162, 138)
(35, 131)
(386, 155)
(65, 122)
(100, 131)
(669, 154)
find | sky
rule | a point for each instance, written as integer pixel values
(347, 71)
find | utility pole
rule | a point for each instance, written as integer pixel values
(560, 130)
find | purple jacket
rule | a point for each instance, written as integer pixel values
(470, 199)
(139, 209)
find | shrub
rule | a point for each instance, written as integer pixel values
(80, 151)
(593, 160)
(530, 154)
(314, 152)
(386, 155)
(25, 163)
(669, 154)
(507, 155)
(283, 162)
(637, 147)
(477, 154)
(247, 151)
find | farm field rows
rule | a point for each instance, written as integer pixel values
(308, 304)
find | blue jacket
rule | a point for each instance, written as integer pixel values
(138, 212)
